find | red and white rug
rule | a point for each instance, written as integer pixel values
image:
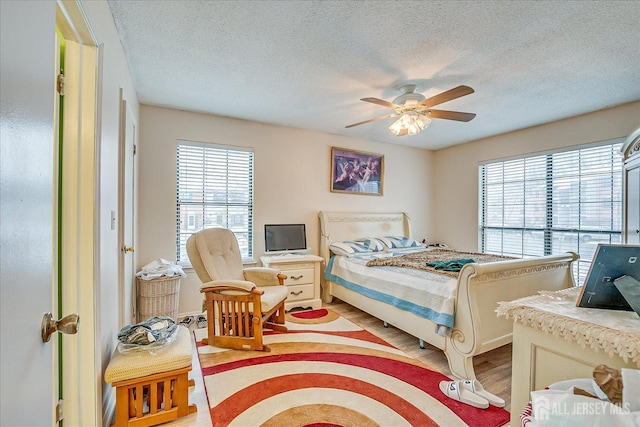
(327, 371)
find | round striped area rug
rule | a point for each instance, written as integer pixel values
(327, 371)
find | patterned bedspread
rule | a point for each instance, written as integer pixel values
(419, 260)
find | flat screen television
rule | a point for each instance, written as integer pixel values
(285, 237)
(610, 262)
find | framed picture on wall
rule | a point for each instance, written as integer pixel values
(356, 172)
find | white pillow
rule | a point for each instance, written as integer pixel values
(353, 247)
(394, 242)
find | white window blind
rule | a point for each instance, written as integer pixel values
(214, 189)
(553, 203)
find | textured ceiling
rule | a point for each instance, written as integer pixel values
(306, 64)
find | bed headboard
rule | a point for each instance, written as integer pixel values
(339, 226)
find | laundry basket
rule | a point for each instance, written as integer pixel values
(158, 297)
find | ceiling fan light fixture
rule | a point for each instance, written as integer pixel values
(410, 123)
(396, 127)
(422, 121)
(415, 111)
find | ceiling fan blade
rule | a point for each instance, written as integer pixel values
(451, 115)
(380, 102)
(373, 120)
(454, 93)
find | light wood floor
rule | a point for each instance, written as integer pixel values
(493, 368)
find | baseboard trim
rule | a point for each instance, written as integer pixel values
(109, 408)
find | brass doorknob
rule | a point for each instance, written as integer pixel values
(66, 325)
(126, 249)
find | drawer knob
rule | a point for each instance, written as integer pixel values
(296, 293)
(297, 277)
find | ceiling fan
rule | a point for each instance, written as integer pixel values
(415, 111)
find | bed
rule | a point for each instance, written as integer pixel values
(475, 292)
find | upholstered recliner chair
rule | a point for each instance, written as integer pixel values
(239, 302)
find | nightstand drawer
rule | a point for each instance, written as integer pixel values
(299, 277)
(300, 292)
(303, 278)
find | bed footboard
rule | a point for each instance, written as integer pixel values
(481, 287)
(477, 328)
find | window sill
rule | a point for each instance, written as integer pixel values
(188, 268)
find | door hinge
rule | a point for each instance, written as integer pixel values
(59, 411)
(135, 149)
(60, 84)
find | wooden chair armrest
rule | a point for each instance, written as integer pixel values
(263, 276)
(225, 285)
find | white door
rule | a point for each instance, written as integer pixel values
(127, 215)
(40, 237)
(27, 290)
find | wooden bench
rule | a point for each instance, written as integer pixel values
(152, 388)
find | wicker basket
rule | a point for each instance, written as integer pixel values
(158, 297)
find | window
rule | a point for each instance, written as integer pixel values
(553, 203)
(214, 189)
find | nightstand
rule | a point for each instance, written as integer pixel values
(303, 278)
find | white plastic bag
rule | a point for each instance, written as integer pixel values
(151, 335)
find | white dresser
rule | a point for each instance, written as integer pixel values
(303, 278)
(553, 340)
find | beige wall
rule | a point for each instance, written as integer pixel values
(455, 170)
(291, 180)
(439, 190)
